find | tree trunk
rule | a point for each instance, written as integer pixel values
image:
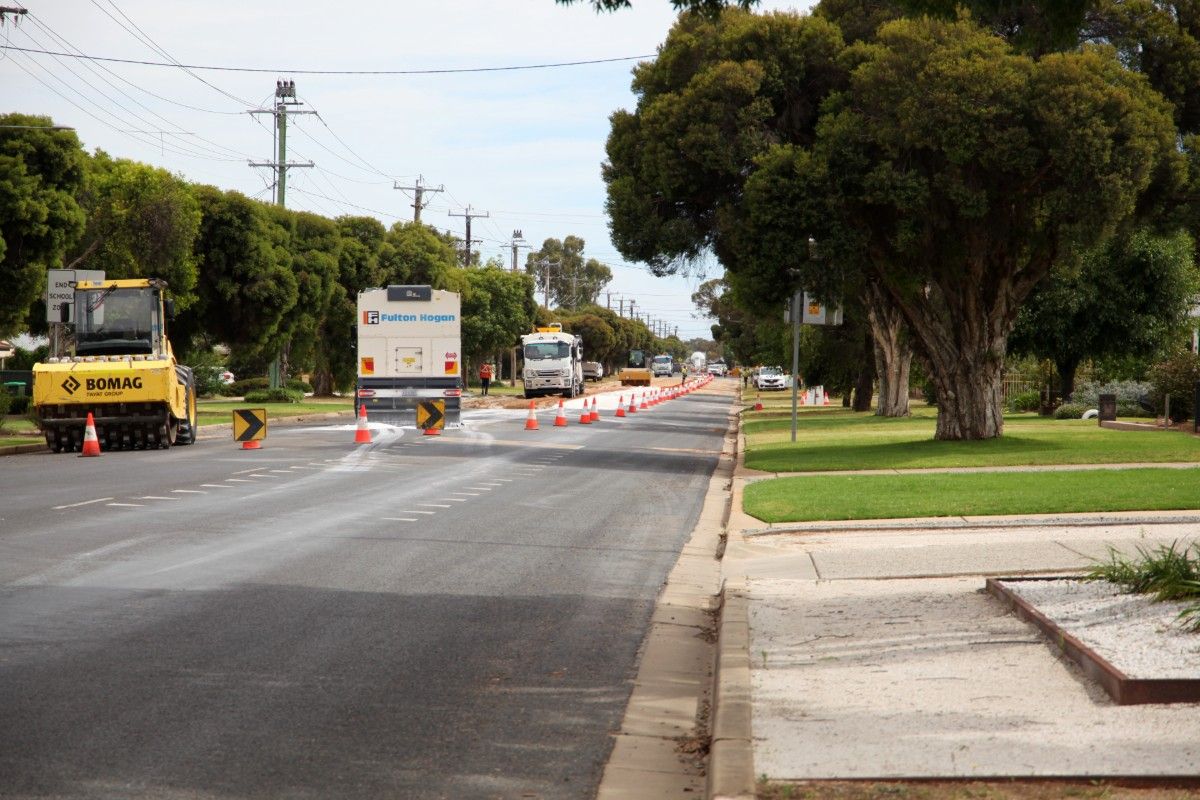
(893, 353)
(1066, 377)
(864, 385)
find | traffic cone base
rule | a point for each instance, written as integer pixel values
(362, 434)
(252, 444)
(531, 421)
(433, 431)
(91, 442)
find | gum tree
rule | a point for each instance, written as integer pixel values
(958, 172)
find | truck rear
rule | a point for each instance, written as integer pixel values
(409, 345)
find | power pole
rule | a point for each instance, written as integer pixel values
(419, 190)
(548, 265)
(621, 307)
(18, 12)
(518, 241)
(631, 304)
(285, 104)
(469, 216)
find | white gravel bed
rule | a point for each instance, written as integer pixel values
(1137, 636)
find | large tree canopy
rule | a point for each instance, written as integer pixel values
(41, 171)
(560, 265)
(955, 170)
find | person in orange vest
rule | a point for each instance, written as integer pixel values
(485, 377)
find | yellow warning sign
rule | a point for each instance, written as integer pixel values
(249, 424)
(431, 415)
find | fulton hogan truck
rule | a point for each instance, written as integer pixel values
(553, 362)
(409, 350)
(123, 371)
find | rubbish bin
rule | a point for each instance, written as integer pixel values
(15, 388)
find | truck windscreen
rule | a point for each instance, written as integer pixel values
(115, 321)
(537, 351)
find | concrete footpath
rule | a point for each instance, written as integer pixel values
(871, 651)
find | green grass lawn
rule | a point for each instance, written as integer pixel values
(215, 412)
(843, 497)
(18, 429)
(836, 439)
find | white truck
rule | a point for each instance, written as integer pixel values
(662, 366)
(553, 362)
(409, 346)
(697, 363)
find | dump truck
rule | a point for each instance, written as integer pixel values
(553, 362)
(123, 371)
(409, 345)
(636, 371)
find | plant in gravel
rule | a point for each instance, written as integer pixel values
(1169, 572)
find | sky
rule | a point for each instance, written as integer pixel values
(523, 146)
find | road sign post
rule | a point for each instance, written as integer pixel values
(249, 427)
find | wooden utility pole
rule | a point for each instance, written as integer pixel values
(469, 216)
(419, 191)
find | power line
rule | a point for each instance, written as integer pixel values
(446, 71)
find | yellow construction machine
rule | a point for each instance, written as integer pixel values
(636, 371)
(123, 371)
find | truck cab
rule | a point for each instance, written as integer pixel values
(553, 362)
(662, 366)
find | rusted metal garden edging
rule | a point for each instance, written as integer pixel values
(1121, 688)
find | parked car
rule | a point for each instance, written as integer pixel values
(593, 370)
(718, 368)
(770, 378)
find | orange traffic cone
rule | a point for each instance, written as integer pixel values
(633, 404)
(757, 402)
(560, 421)
(251, 444)
(620, 406)
(91, 442)
(531, 422)
(642, 406)
(433, 431)
(595, 411)
(585, 416)
(362, 434)
(826, 398)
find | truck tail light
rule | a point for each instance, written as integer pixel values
(453, 393)
(366, 392)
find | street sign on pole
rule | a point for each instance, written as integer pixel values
(59, 289)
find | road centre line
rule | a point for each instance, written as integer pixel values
(188, 491)
(156, 497)
(466, 494)
(481, 488)
(401, 519)
(456, 500)
(244, 471)
(126, 505)
(434, 505)
(407, 511)
(84, 503)
(283, 471)
(261, 475)
(238, 480)
(215, 486)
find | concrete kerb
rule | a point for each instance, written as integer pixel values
(731, 751)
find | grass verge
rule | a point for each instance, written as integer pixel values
(849, 497)
(221, 411)
(977, 790)
(834, 439)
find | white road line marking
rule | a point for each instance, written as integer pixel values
(84, 503)
(407, 511)
(284, 471)
(156, 497)
(188, 491)
(466, 494)
(244, 471)
(238, 480)
(400, 519)
(434, 505)
(456, 500)
(491, 484)
(312, 468)
(126, 505)
(481, 488)
(505, 480)
(215, 486)
(260, 475)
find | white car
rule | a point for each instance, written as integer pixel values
(717, 368)
(770, 378)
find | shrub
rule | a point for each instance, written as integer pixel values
(1025, 401)
(1087, 393)
(5, 404)
(18, 404)
(1069, 411)
(1131, 410)
(304, 387)
(248, 385)
(280, 395)
(1177, 376)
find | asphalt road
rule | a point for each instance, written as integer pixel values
(454, 616)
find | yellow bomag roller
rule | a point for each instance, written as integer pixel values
(636, 371)
(123, 371)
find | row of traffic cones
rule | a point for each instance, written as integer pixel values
(648, 399)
